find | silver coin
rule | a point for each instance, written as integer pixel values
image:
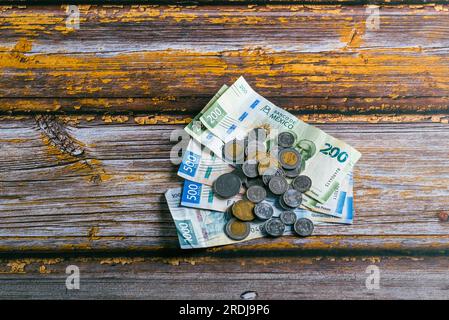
(256, 194)
(271, 172)
(263, 211)
(303, 227)
(288, 217)
(289, 158)
(292, 198)
(257, 134)
(237, 230)
(227, 185)
(283, 205)
(249, 168)
(274, 227)
(254, 182)
(234, 151)
(302, 183)
(286, 139)
(293, 173)
(278, 185)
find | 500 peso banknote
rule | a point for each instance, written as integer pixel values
(240, 108)
(201, 165)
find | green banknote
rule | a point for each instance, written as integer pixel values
(201, 165)
(334, 205)
(240, 109)
(200, 133)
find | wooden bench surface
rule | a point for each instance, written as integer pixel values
(131, 74)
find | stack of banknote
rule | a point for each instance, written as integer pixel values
(200, 215)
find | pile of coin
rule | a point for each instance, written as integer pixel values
(263, 172)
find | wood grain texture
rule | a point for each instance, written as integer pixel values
(216, 278)
(219, 2)
(145, 58)
(112, 198)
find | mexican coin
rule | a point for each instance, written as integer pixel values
(290, 158)
(263, 211)
(227, 185)
(274, 227)
(243, 210)
(234, 151)
(249, 168)
(237, 230)
(302, 183)
(278, 185)
(292, 198)
(304, 227)
(286, 139)
(288, 217)
(256, 194)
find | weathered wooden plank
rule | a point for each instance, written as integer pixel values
(165, 58)
(216, 278)
(112, 198)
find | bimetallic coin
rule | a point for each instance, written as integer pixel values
(270, 172)
(288, 217)
(227, 185)
(286, 139)
(293, 173)
(278, 185)
(249, 168)
(237, 230)
(289, 158)
(303, 227)
(263, 211)
(243, 210)
(256, 194)
(302, 183)
(274, 227)
(292, 198)
(257, 134)
(234, 151)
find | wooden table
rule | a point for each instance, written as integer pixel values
(132, 73)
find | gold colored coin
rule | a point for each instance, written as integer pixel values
(243, 210)
(290, 158)
(238, 227)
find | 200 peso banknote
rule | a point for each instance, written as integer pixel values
(334, 205)
(240, 108)
(198, 131)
